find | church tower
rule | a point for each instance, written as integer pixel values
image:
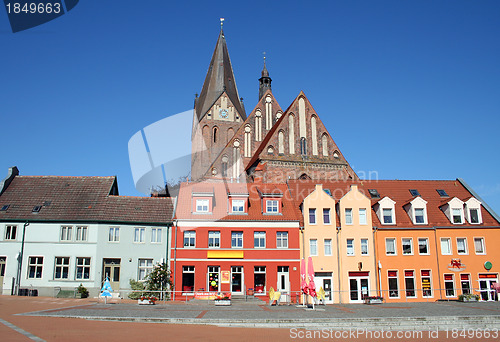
(218, 111)
(264, 81)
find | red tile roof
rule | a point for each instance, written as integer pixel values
(80, 199)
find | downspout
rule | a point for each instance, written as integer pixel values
(175, 256)
(437, 261)
(378, 276)
(338, 265)
(20, 267)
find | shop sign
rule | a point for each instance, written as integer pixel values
(225, 276)
(456, 265)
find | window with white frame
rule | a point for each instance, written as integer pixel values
(313, 247)
(457, 215)
(214, 239)
(282, 239)
(238, 206)
(145, 268)
(407, 244)
(390, 246)
(362, 216)
(462, 246)
(465, 283)
(479, 245)
(350, 246)
(189, 238)
(473, 211)
(348, 216)
(139, 235)
(114, 234)
(387, 213)
(328, 247)
(35, 267)
(82, 268)
(312, 216)
(474, 215)
(272, 206)
(326, 216)
(410, 284)
(364, 246)
(419, 215)
(61, 269)
(66, 233)
(425, 277)
(202, 205)
(446, 246)
(81, 233)
(10, 232)
(423, 246)
(392, 278)
(156, 235)
(449, 285)
(237, 239)
(259, 239)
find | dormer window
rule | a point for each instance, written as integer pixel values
(419, 215)
(388, 216)
(238, 206)
(272, 206)
(202, 205)
(454, 210)
(417, 210)
(457, 215)
(473, 211)
(386, 211)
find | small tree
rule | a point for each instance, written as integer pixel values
(159, 279)
(137, 286)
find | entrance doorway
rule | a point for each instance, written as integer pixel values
(236, 279)
(324, 280)
(359, 286)
(283, 283)
(2, 272)
(111, 269)
(485, 291)
(213, 277)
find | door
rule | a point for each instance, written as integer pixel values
(236, 279)
(213, 279)
(2, 273)
(283, 283)
(111, 270)
(324, 280)
(358, 289)
(486, 292)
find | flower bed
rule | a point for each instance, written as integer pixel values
(147, 300)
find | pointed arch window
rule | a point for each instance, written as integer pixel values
(303, 146)
(215, 132)
(224, 166)
(314, 136)
(248, 141)
(281, 142)
(324, 145)
(291, 134)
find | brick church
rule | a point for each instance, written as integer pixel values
(269, 144)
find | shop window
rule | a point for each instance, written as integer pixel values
(259, 280)
(187, 278)
(392, 277)
(213, 278)
(449, 285)
(410, 284)
(426, 283)
(465, 284)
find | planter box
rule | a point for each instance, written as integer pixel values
(374, 300)
(145, 302)
(222, 302)
(469, 300)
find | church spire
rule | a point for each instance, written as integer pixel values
(265, 80)
(220, 78)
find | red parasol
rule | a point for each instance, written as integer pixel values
(310, 270)
(303, 283)
(496, 286)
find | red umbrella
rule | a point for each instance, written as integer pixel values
(310, 270)
(496, 286)
(303, 283)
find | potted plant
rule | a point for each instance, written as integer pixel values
(468, 297)
(81, 291)
(147, 300)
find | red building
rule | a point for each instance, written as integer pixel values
(235, 237)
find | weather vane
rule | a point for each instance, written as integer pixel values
(221, 22)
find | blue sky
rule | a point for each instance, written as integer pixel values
(407, 89)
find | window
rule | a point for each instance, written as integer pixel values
(445, 246)
(145, 268)
(419, 215)
(66, 233)
(237, 239)
(61, 270)
(271, 206)
(362, 216)
(282, 239)
(387, 215)
(81, 233)
(479, 245)
(156, 235)
(350, 246)
(313, 247)
(139, 234)
(35, 267)
(5, 207)
(114, 234)
(202, 205)
(348, 216)
(373, 193)
(390, 246)
(189, 238)
(449, 285)
(392, 277)
(474, 215)
(312, 216)
(407, 246)
(414, 192)
(238, 206)
(259, 279)
(214, 239)
(259, 239)
(364, 246)
(442, 193)
(426, 283)
(10, 232)
(461, 245)
(410, 284)
(423, 246)
(328, 247)
(303, 149)
(187, 278)
(326, 216)
(457, 215)
(465, 283)
(82, 268)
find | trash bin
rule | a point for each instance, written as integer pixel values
(33, 293)
(23, 292)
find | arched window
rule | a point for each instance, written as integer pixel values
(314, 136)
(224, 166)
(248, 141)
(291, 133)
(303, 150)
(281, 142)
(215, 134)
(324, 144)
(304, 176)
